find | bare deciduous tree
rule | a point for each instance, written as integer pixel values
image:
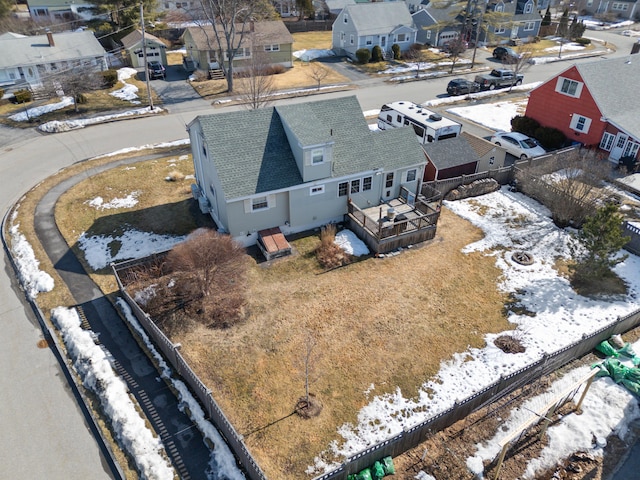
(570, 185)
(309, 406)
(256, 82)
(317, 72)
(210, 269)
(73, 81)
(232, 21)
(455, 48)
(521, 63)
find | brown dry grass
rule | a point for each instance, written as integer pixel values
(311, 40)
(389, 322)
(298, 76)
(158, 200)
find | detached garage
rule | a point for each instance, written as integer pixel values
(156, 49)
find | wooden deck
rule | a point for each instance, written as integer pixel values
(273, 244)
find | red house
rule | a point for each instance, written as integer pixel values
(589, 105)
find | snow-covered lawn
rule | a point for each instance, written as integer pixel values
(510, 221)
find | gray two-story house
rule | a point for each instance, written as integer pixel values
(297, 167)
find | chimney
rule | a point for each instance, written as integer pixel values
(50, 39)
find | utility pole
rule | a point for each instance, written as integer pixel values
(144, 58)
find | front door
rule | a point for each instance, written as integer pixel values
(383, 42)
(618, 147)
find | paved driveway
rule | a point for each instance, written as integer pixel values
(176, 92)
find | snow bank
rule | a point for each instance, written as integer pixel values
(222, 463)
(93, 367)
(31, 277)
(350, 243)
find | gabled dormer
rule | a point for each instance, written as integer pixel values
(311, 142)
(525, 7)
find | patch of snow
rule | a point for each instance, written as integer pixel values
(35, 112)
(312, 54)
(93, 366)
(33, 279)
(98, 249)
(350, 243)
(127, 202)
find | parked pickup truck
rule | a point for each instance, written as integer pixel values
(499, 78)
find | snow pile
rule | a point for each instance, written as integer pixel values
(126, 202)
(37, 111)
(510, 221)
(128, 92)
(57, 126)
(126, 73)
(222, 463)
(99, 253)
(148, 146)
(308, 55)
(350, 243)
(93, 367)
(31, 277)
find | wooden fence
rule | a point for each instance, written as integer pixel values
(632, 230)
(172, 354)
(412, 436)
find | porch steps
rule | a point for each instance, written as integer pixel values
(216, 74)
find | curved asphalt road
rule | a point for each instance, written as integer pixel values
(44, 433)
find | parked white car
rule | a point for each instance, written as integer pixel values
(518, 144)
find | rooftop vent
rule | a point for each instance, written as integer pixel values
(435, 117)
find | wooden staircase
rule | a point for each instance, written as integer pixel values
(216, 74)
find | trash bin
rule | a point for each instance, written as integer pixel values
(400, 227)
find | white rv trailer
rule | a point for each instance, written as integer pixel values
(429, 126)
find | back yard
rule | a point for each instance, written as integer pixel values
(384, 322)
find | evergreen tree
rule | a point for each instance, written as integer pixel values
(546, 20)
(304, 7)
(563, 26)
(596, 246)
(577, 28)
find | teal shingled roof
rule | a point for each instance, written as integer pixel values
(252, 155)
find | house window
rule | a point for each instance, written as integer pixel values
(528, 8)
(346, 18)
(621, 140)
(369, 40)
(272, 48)
(317, 155)
(343, 189)
(622, 7)
(366, 183)
(499, 8)
(317, 190)
(411, 175)
(350, 39)
(499, 29)
(569, 87)
(204, 150)
(580, 123)
(342, 36)
(259, 203)
(239, 53)
(355, 186)
(428, 34)
(607, 141)
(529, 26)
(631, 149)
(401, 37)
(492, 160)
(389, 180)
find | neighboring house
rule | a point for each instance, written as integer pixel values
(336, 6)
(621, 9)
(462, 155)
(185, 6)
(583, 102)
(365, 25)
(523, 22)
(26, 61)
(437, 24)
(286, 8)
(271, 39)
(296, 167)
(132, 44)
(60, 10)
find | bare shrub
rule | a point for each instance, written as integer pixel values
(570, 185)
(209, 270)
(509, 344)
(328, 253)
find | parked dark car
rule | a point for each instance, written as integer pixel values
(155, 69)
(462, 86)
(506, 54)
